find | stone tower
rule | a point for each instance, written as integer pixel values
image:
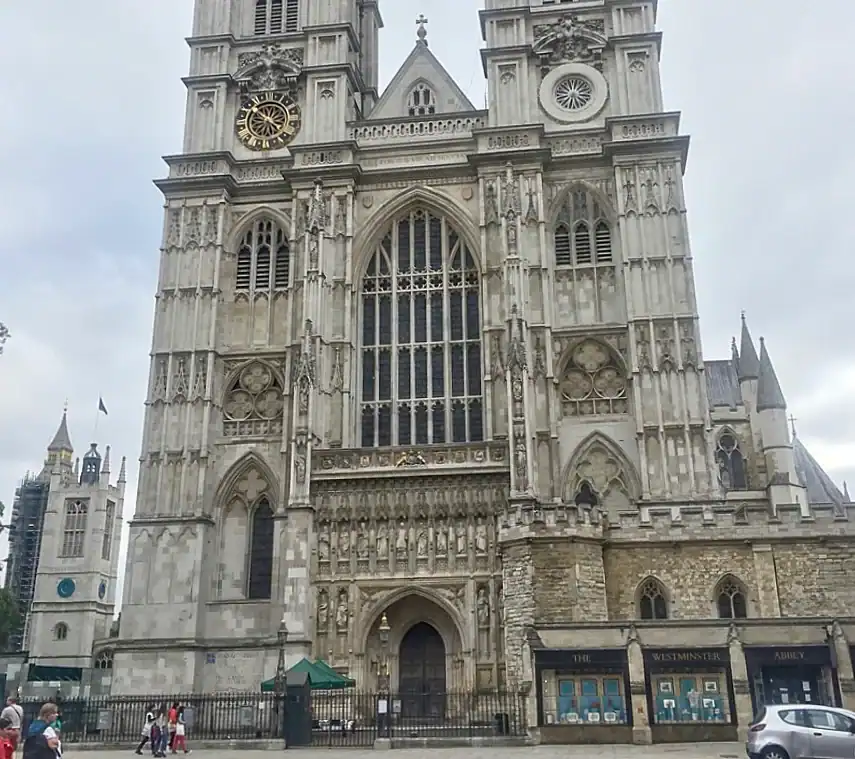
(75, 588)
(419, 362)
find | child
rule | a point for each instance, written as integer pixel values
(180, 742)
(7, 748)
(146, 729)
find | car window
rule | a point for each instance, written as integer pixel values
(830, 720)
(794, 717)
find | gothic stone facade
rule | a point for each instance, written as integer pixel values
(443, 364)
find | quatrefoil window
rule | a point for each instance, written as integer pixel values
(253, 404)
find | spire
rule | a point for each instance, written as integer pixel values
(422, 32)
(747, 366)
(769, 395)
(122, 475)
(734, 353)
(105, 466)
(61, 442)
(846, 492)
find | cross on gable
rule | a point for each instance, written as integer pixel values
(252, 486)
(792, 420)
(421, 20)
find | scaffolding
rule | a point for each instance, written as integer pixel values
(25, 540)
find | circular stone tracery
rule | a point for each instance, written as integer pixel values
(256, 393)
(593, 383)
(573, 93)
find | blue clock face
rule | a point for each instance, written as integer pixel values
(65, 588)
(102, 590)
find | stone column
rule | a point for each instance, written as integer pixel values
(845, 675)
(641, 733)
(741, 683)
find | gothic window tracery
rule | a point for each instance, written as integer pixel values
(731, 599)
(263, 259)
(594, 382)
(421, 101)
(421, 337)
(260, 582)
(104, 660)
(583, 235)
(652, 602)
(731, 462)
(74, 529)
(253, 403)
(276, 16)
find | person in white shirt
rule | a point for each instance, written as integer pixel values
(15, 714)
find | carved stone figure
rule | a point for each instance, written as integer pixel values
(300, 468)
(324, 545)
(382, 541)
(362, 541)
(481, 537)
(461, 538)
(344, 542)
(500, 604)
(323, 611)
(422, 542)
(482, 605)
(521, 464)
(342, 613)
(442, 539)
(402, 541)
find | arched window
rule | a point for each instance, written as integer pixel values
(264, 259)
(253, 403)
(730, 599)
(731, 463)
(104, 660)
(421, 337)
(652, 603)
(585, 496)
(261, 552)
(591, 241)
(74, 529)
(422, 101)
(60, 632)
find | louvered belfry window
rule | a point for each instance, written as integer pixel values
(583, 236)
(276, 16)
(421, 371)
(263, 259)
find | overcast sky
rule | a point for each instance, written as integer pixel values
(94, 98)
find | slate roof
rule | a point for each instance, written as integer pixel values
(820, 487)
(62, 440)
(722, 384)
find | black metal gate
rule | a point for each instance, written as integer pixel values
(343, 718)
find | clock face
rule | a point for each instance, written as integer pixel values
(268, 121)
(65, 588)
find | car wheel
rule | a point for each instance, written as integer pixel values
(775, 752)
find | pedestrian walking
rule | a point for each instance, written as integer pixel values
(148, 723)
(180, 742)
(15, 714)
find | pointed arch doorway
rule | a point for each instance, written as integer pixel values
(421, 682)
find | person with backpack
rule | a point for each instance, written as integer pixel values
(42, 741)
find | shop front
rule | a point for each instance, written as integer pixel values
(583, 696)
(690, 695)
(792, 675)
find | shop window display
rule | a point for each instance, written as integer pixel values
(591, 700)
(682, 698)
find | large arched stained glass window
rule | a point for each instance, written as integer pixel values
(421, 337)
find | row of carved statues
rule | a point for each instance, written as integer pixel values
(385, 538)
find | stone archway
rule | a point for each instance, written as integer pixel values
(421, 627)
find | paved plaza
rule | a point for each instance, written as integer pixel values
(662, 751)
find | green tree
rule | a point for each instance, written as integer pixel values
(10, 617)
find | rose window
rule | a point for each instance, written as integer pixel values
(573, 93)
(253, 405)
(593, 382)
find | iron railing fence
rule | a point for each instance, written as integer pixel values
(338, 717)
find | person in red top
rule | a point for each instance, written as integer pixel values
(172, 723)
(7, 748)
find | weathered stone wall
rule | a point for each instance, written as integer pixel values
(518, 584)
(689, 574)
(570, 583)
(816, 579)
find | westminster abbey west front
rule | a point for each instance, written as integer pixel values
(422, 364)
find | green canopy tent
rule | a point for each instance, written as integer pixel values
(321, 675)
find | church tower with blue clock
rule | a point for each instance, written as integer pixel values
(75, 588)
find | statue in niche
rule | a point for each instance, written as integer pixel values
(442, 539)
(323, 611)
(500, 604)
(481, 537)
(341, 612)
(422, 542)
(461, 538)
(324, 545)
(382, 541)
(401, 542)
(482, 605)
(362, 541)
(344, 543)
